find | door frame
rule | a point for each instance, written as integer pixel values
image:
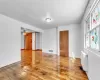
(58, 41)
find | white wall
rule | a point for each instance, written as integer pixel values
(22, 40)
(10, 41)
(74, 39)
(93, 56)
(93, 65)
(49, 40)
(33, 41)
(38, 40)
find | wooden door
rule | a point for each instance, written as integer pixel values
(28, 41)
(64, 43)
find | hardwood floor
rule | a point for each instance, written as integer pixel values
(51, 68)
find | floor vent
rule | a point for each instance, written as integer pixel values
(50, 50)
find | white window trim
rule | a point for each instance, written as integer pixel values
(91, 29)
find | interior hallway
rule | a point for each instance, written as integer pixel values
(51, 68)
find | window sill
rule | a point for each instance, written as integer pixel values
(96, 52)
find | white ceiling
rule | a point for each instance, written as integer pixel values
(63, 12)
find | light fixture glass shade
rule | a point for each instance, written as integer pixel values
(48, 19)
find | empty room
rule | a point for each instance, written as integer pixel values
(49, 39)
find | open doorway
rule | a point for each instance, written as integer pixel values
(26, 47)
(31, 48)
(64, 43)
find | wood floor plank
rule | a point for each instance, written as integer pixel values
(50, 68)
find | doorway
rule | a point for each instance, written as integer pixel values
(64, 43)
(31, 50)
(26, 51)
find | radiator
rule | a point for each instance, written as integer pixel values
(84, 61)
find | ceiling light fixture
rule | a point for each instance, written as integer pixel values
(48, 19)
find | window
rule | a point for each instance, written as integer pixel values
(95, 38)
(95, 17)
(92, 35)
